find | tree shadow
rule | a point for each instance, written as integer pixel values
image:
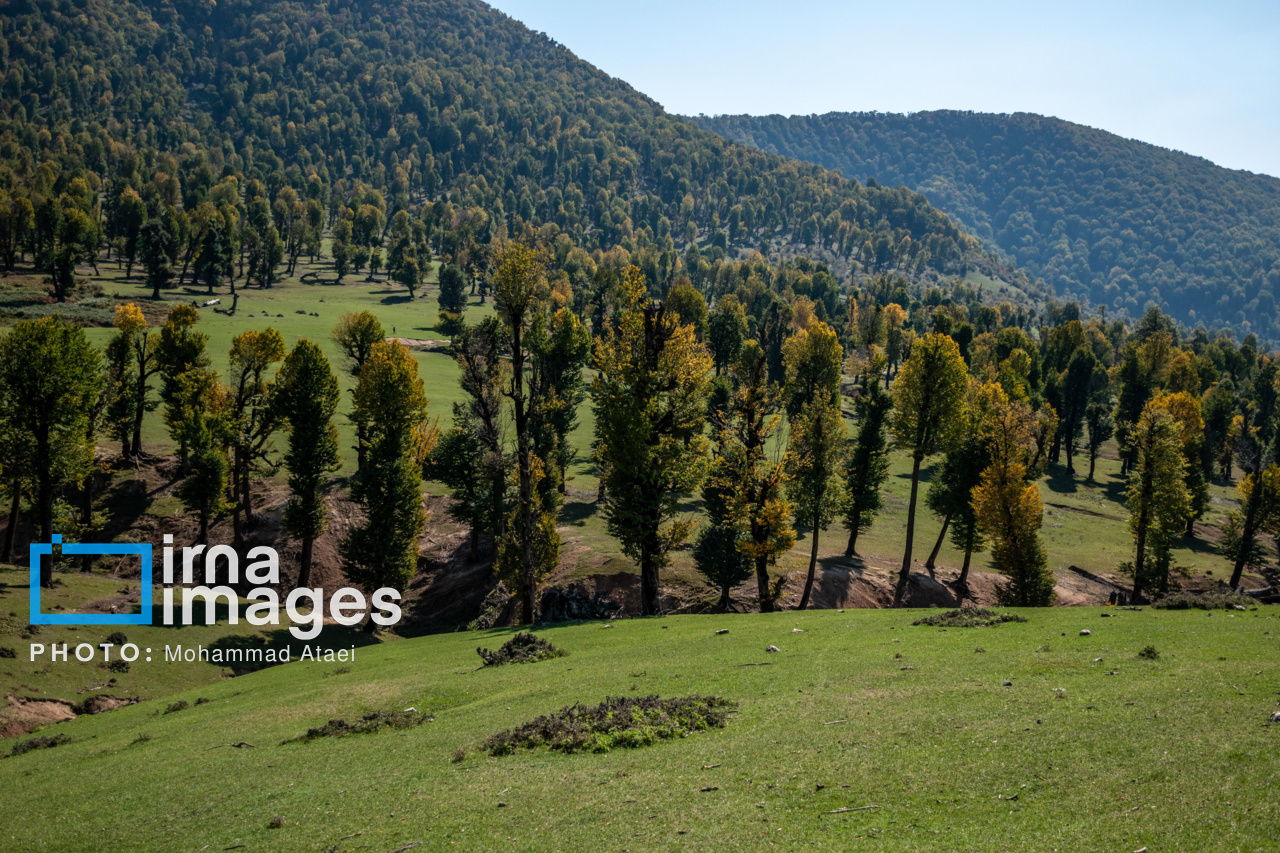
(1060, 481)
(577, 512)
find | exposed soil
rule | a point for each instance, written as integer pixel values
(21, 715)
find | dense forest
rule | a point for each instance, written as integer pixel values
(1111, 221)
(443, 107)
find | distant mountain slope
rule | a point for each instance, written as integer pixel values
(1119, 221)
(419, 100)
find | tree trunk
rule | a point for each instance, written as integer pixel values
(45, 503)
(15, 509)
(304, 567)
(963, 580)
(762, 583)
(1246, 538)
(813, 566)
(723, 605)
(853, 542)
(1093, 458)
(937, 546)
(1070, 447)
(86, 516)
(1140, 556)
(904, 575)
(648, 580)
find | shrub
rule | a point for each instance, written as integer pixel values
(39, 743)
(180, 705)
(6, 652)
(368, 724)
(969, 617)
(117, 638)
(1149, 653)
(1205, 601)
(522, 648)
(622, 721)
(121, 666)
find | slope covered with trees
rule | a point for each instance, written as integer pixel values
(1117, 222)
(417, 101)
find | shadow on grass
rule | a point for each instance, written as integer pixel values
(1060, 481)
(577, 512)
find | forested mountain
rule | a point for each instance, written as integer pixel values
(415, 101)
(1112, 220)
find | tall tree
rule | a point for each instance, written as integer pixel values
(819, 438)
(1157, 497)
(180, 350)
(251, 416)
(928, 402)
(391, 405)
(520, 286)
(50, 378)
(726, 330)
(1007, 500)
(867, 464)
(356, 334)
(560, 346)
(650, 381)
(306, 399)
(755, 484)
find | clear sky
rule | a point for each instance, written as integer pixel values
(1201, 77)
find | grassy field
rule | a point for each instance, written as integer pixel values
(1088, 747)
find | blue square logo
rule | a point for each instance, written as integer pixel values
(143, 550)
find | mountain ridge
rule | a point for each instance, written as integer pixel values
(1134, 204)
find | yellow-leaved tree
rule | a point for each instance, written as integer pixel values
(1006, 501)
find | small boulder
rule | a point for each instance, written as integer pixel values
(1007, 684)
(1086, 633)
(722, 631)
(1275, 716)
(773, 649)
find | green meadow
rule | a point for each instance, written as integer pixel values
(1026, 736)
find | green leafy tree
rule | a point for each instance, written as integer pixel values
(651, 376)
(819, 438)
(356, 334)
(530, 546)
(306, 399)
(726, 330)
(928, 403)
(180, 350)
(390, 404)
(251, 416)
(867, 464)
(50, 379)
(153, 248)
(754, 484)
(1157, 497)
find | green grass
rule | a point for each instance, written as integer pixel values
(67, 681)
(860, 709)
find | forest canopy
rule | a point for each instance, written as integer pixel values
(1109, 220)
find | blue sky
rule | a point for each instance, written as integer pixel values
(1199, 77)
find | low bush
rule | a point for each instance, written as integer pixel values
(621, 721)
(1205, 601)
(522, 648)
(6, 652)
(969, 617)
(42, 742)
(368, 724)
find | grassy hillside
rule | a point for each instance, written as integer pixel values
(1112, 220)
(1088, 747)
